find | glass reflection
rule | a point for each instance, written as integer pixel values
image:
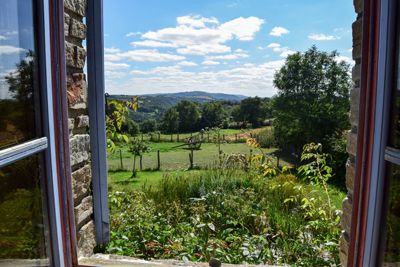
(392, 235)
(18, 81)
(22, 229)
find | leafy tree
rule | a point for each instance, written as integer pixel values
(212, 114)
(148, 126)
(137, 148)
(130, 127)
(251, 110)
(189, 116)
(170, 121)
(313, 99)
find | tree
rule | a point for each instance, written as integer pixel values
(170, 121)
(312, 104)
(130, 127)
(212, 115)
(251, 110)
(189, 116)
(148, 126)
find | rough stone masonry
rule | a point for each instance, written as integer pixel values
(75, 53)
(347, 205)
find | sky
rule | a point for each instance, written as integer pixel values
(221, 46)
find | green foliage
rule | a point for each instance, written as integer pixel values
(313, 98)
(266, 138)
(130, 127)
(115, 117)
(149, 126)
(189, 116)
(226, 214)
(137, 148)
(212, 115)
(170, 121)
(252, 110)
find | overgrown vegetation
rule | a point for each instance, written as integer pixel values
(233, 215)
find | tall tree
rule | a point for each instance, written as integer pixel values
(212, 114)
(251, 110)
(313, 98)
(189, 116)
(170, 121)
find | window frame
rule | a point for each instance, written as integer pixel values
(46, 143)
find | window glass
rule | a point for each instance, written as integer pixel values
(22, 223)
(18, 81)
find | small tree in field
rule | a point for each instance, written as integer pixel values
(137, 148)
(312, 104)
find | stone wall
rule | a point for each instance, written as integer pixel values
(75, 34)
(352, 135)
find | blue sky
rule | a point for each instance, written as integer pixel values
(229, 46)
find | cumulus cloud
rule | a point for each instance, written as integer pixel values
(244, 29)
(143, 55)
(8, 50)
(236, 55)
(150, 43)
(210, 63)
(2, 37)
(347, 60)
(283, 51)
(278, 31)
(196, 21)
(204, 49)
(111, 50)
(322, 37)
(249, 79)
(112, 66)
(187, 64)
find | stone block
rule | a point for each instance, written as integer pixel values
(356, 52)
(356, 72)
(354, 105)
(83, 211)
(77, 29)
(76, 90)
(357, 32)
(343, 252)
(350, 174)
(81, 180)
(67, 20)
(71, 123)
(358, 6)
(82, 121)
(79, 148)
(351, 143)
(345, 220)
(75, 56)
(76, 6)
(86, 239)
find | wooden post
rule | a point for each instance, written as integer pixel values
(120, 159)
(171, 138)
(177, 137)
(223, 137)
(191, 159)
(141, 162)
(236, 137)
(158, 160)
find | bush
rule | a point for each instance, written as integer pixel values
(266, 138)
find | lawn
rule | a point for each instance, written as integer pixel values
(177, 158)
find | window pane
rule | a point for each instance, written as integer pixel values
(18, 81)
(392, 235)
(22, 224)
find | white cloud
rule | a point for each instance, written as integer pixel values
(196, 21)
(249, 79)
(322, 37)
(278, 31)
(272, 45)
(8, 50)
(130, 34)
(204, 49)
(243, 29)
(143, 55)
(347, 60)
(150, 43)
(112, 66)
(111, 50)
(187, 64)
(210, 63)
(3, 37)
(233, 56)
(283, 51)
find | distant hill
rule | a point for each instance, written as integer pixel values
(152, 106)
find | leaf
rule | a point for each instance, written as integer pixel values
(211, 226)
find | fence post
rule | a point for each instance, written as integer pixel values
(191, 159)
(236, 137)
(172, 138)
(120, 159)
(158, 160)
(223, 137)
(141, 162)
